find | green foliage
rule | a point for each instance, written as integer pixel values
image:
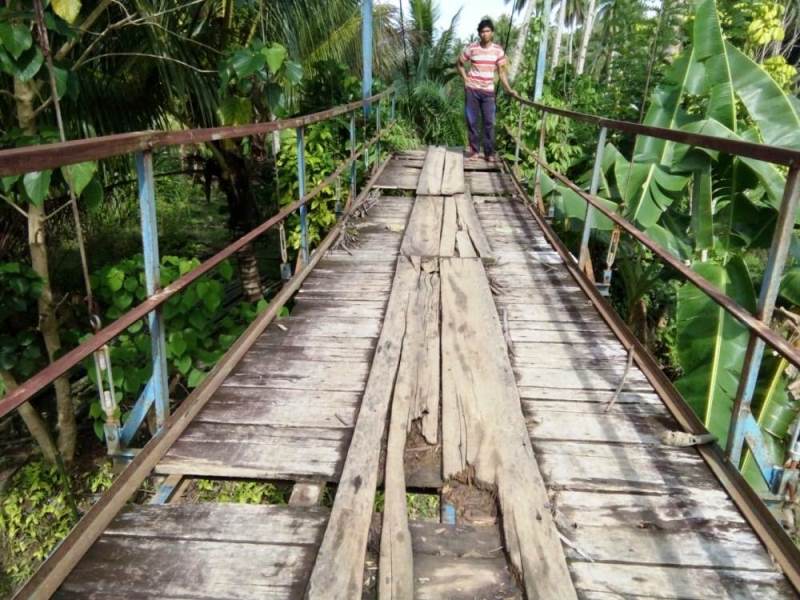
(35, 515)
(241, 492)
(21, 352)
(199, 328)
(711, 344)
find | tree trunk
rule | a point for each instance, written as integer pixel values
(588, 25)
(562, 13)
(234, 181)
(33, 421)
(519, 47)
(24, 93)
(571, 42)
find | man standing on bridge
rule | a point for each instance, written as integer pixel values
(485, 58)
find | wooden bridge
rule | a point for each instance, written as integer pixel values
(442, 341)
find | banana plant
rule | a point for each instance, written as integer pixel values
(711, 344)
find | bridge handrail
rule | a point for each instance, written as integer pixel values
(773, 154)
(16, 161)
(52, 155)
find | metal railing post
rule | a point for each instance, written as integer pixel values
(537, 190)
(353, 165)
(766, 304)
(159, 387)
(519, 135)
(366, 52)
(377, 132)
(301, 185)
(583, 254)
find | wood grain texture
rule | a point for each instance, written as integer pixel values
(468, 220)
(453, 177)
(484, 430)
(430, 180)
(447, 244)
(338, 571)
(423, 234)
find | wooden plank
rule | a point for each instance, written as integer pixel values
(469, 221)
(488, 183)
(464, 245)
(595, 379)
(398, 176)
(529, 393)
(175, 568)
(307, 494)
(456, 541)
(453, 176)
(418, 376)
(282, 407)
(341, 326)
(338, 571)
(484, 430)
(447, 244)
(257, 451)
(438, 577)
(256, 373)
(423, 233)
(223, 522)
(624, 581)
(430, 180)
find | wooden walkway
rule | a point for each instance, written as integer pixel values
(446, 351)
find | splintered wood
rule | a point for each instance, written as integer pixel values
(484, 432)
(441, 314)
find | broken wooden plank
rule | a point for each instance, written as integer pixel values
(430, 180)
(447, 246)
(440, 577)
(423, 234)
(484, 430)
(339, 568)
(468, 220)
(453, 176)
(464, 245)
(306, 493)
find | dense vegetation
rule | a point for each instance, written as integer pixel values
(69, 239)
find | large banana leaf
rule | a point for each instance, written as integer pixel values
(773, 111)
(714, 77)
(711, 344)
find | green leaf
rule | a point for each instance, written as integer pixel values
(79, 175)
(28, 65)
(245, 63)
(274, 56)
(702, 216)
(790, 286)
(67, 9)
(195, 378)
(93, 194)
(767, 104)
(176, 345)
(184, 364)
(16, 39)
(62, 81)
(37, 185)
(294, 72)
(123, 300)
(234, 110)
(114, 279)
(711, 343)
(8, 182)
(226, 270)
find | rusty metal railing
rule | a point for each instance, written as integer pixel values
(744, 428)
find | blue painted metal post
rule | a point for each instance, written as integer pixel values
(366, 51)
(588, 220)
(301, 183)
(354, 164)
(541, 59)
(152, 274)
(766, 304)
(377, 132)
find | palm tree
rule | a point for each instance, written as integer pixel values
(588, 25)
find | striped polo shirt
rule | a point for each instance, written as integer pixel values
(483, 65)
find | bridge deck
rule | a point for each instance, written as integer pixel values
(635, 517)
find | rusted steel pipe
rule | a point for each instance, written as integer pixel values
(46, 376)
(17, 161)
(773, 154)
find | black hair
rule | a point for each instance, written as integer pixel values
(485, 23)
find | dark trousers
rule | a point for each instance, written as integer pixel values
(480, 104)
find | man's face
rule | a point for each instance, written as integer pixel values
(486, 35)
